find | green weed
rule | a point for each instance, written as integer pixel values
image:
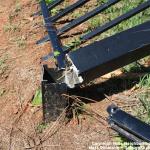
(37, 100)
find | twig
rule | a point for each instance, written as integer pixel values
(91, 100)
(10, 138)
(126, 76)
(107, 97)
(15, 122)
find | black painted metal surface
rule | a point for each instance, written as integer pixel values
(127, 125)
(52, 33)
(81, 19)
(112, 53)
(53, 101)
(50, 6)
(87, 16)
(68, 10)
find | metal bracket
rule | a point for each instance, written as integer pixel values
(53, 101)
(127, 125)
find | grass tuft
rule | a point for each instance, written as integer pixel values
(145, 81)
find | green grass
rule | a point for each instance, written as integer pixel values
(74, 43)
(133, 67)
(41, 127)
(143, 111)
(11, 27)
(124, 143)
(115, 11)
(20, 42)
(145, 81)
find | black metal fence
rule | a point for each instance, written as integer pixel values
(89, 62)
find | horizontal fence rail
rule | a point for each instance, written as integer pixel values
(54, 35)
(82, 19)
(116, 21)
(68, 10)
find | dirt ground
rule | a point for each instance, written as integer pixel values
(20, 76)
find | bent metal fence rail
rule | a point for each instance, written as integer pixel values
(74, 68)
